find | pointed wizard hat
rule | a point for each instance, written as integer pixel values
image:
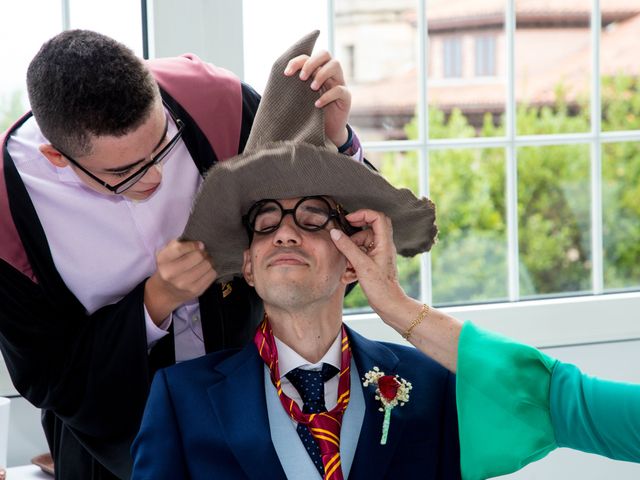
(288, 156)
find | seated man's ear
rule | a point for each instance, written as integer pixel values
(247, 267)
(349, 275)
(53, 155)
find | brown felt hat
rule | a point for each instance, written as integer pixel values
(288, 156)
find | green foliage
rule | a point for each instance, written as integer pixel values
(469, 262)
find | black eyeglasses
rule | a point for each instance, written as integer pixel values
(131, 180)
(310, 213)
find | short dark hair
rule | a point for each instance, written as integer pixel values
(82, 84)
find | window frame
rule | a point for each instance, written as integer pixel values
(543, 322)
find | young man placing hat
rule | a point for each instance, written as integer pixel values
(95, 185)
(309, 398)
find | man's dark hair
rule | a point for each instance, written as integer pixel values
(82, 83)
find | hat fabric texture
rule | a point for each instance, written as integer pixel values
(288, 156)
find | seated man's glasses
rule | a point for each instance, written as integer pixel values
(131, 180)
(310, 214)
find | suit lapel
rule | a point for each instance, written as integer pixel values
(239, 402)
(372, 459)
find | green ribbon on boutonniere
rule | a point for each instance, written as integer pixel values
(391, 390)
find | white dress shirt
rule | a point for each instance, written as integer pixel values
(289, 359)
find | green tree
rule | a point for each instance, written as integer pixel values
(469, 262)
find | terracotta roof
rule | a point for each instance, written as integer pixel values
(437, 9)
(398, 95)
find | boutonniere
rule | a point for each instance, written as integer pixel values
(391, 390)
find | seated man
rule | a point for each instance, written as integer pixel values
(309, 398)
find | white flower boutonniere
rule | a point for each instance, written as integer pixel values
(391, 390)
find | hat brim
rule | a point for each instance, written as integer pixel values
(290, 170)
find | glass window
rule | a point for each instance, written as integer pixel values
(490, 110)
(469, 262)
(452, 57)
(554, 201)
(621, 215)
(467, 67)
(619, 66)
(485, 56)
(553, 65)
(376, 43)
(21, 35)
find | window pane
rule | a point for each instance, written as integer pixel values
(401, 170)
(554, 201)
(621, 215)
(620, 70)
(119, 19)
(272, 27)
(466, 64)
(552, 66)
(452, 57)
(469, 261)
(21, 35)
(376, 42)
(485, 55)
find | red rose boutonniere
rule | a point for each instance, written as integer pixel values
(391, 390)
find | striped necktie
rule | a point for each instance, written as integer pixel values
(324, 426)
(310, 386)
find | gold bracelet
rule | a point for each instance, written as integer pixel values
(421, 316)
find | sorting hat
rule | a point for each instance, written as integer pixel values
(288, 156)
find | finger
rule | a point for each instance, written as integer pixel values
(295, 64)
(178, 267)
(329, 71)
(176, 249)
(376, 221)
(314, 62)
(185, 280)
(364, 239)
(338, 94)
(349, 249)
(204, 282)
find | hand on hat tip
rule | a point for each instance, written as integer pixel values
(335, 98)
(372, 254)
(184, 271)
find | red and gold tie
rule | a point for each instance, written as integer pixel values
(325, 426)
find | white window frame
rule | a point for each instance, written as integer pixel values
(546, 322)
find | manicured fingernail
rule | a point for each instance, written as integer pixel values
(317, 103)
(287, 70)
(314, 85)
(303, 76)
(201, 245)
(335, 234)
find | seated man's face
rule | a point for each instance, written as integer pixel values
(292, 266)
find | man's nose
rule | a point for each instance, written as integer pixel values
(288, 233)
(153, 175)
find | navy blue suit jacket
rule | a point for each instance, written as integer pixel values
(207, 418)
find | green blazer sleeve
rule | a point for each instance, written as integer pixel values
(502, 390)
(594, 415)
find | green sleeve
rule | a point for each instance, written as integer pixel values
(594, 415)
(502, 390)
